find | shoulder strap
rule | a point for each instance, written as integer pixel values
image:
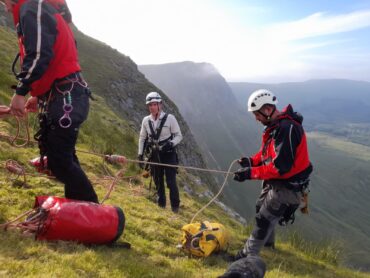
(156, 134)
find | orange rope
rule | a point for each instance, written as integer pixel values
(17, 137)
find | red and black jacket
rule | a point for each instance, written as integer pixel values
(47, 45)
(284, 153)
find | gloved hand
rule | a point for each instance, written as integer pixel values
(140, 157)
(167, 147)
(244, 162)
(242, 174)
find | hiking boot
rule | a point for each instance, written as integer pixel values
(175, 209)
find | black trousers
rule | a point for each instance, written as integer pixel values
(60, 142)
(158, 173)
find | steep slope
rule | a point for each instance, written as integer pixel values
(221, 127)
(115, 77)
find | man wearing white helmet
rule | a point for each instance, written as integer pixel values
(159, 135)
(282, 163)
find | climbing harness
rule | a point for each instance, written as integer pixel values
(65, 121)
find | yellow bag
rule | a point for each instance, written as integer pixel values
(201, 239)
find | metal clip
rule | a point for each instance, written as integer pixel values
(65, 121)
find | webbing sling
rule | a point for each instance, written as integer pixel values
(155, 135)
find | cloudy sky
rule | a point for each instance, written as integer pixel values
(246, 40)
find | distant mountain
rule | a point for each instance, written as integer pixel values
(339, 107)
(220, 126)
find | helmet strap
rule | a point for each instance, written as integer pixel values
(267, 117)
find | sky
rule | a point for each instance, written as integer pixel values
(246, 40)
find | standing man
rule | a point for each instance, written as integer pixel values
(50, 73)
(282, 163)
(160, 133)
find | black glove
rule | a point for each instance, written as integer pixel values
(140, 157)
(167, 147)
(242, 174)
(244, 162)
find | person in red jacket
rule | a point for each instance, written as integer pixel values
(282, 163)
(50, 73)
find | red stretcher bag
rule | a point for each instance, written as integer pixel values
(84, 222)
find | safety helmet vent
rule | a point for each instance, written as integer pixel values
(259, 98)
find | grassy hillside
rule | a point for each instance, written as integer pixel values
(153, 232)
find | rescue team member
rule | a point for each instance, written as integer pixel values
(282, 163)
(4, 110)
(50, 73)
(159, 135)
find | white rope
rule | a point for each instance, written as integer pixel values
(179, 166)
(218, 193)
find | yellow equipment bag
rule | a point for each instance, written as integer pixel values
(201, 239)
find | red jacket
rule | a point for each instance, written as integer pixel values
(47, 46)
(284, 153)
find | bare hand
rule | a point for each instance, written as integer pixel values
(17, 105)
(31, 105)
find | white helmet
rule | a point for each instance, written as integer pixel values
(259, 98)
(153, 97)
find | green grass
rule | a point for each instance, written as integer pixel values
(353, 149)
(152, 231)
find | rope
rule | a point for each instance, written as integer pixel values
(11, 223)
(177, 166)
(117, 177)
(135, 161)
(122, 159)
(218, 193)
(17, 137)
